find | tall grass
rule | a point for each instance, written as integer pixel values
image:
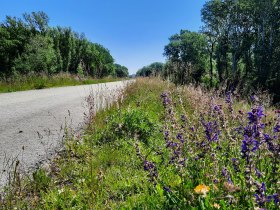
(41, 81)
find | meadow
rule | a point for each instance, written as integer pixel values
(163, 146)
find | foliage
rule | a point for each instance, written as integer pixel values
(154, 69)
(31, 45)
(121, 71)
(38, 56)
(187, 57)
(237, 47)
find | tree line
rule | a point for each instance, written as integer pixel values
(238, 46)
(154, 69)
(30, 45)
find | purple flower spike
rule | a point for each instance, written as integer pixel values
(166, 101)
(276, 129)
(183, 118)
(180, 137)
(258, 173)
(167, 189)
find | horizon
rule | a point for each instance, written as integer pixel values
(134, 33)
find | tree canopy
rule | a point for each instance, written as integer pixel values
(29, 44)
(154, 69)
(121, 71)
(237, 46)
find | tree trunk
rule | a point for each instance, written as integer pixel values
(234, 64)
(211, 65)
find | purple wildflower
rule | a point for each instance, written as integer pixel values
(166, 135)
(276, 129)
(258, 173)
(148, 165)
(260, 194)
(180, 137)
(217, 108)
(183, 118)
(171, 144)
(235, 164)
(166, 101)
(261, 198)
(166, 189)
(152, 169)
(253, 98)
(229, 101)
(211, 131)
(255, 115)
(228, 97)
(269, 142)
(276, 198)
(224, 172)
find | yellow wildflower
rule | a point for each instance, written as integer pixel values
(201, 189)
(216, 206)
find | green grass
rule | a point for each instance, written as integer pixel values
(42, 81)
(126, 160)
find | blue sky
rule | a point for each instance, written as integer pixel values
(135, 31)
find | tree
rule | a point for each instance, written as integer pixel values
(187, 52)
(37, 21)
(38, 56)
(29, 44)
(154, 69)
(13, 39)
(247, 39)
(211, 40)
(121, 71)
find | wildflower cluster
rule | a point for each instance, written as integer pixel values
(229, 151)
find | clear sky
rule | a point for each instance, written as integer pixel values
(135, 31)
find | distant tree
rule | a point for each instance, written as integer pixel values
(154, 69)
(121, 71)
(187, 55)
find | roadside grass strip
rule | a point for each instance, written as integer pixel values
(42, 81)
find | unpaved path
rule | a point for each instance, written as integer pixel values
(32, 122)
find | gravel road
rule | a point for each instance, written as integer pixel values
(32, 122)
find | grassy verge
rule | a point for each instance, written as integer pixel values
(42, 81)
(164, 147)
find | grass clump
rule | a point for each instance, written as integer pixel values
(167, 147)
(128, 124)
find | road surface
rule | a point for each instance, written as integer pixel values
(32, 122)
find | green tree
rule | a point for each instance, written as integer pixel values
(154, 69)
(38, 56)
(121, 71)
(37, 21)
(13, 38)
(186, 52)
